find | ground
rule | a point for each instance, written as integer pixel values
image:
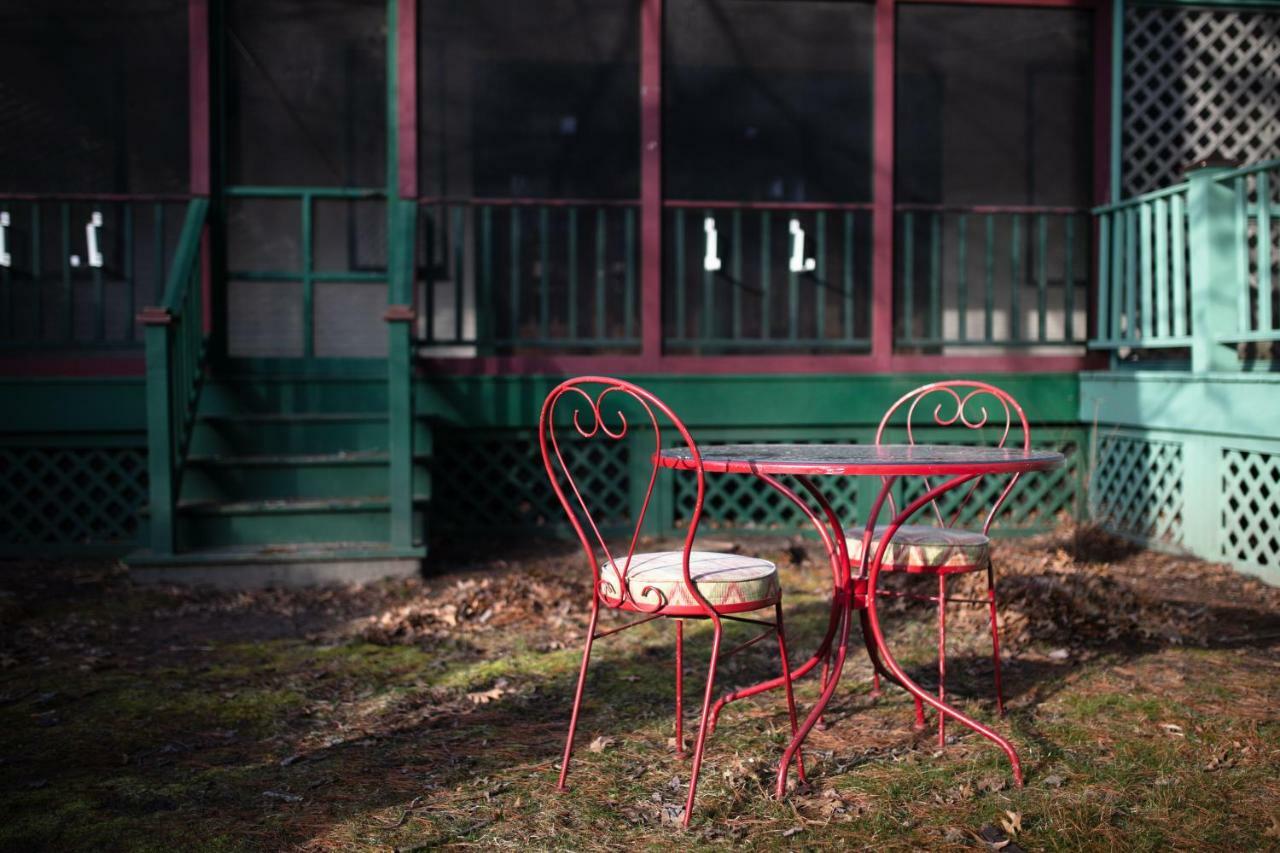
(408, 715)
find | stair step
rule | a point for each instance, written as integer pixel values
(282, 476)
(289, 434)
(203, 524)
(249, 566)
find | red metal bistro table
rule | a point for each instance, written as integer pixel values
(852, 590)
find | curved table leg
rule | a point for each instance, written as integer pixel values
(836, 553)
(873, 622)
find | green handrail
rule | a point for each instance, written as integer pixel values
(176, 348)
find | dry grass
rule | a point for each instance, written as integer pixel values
(1142, 693)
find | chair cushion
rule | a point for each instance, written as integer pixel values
(928, 550)
(725, 580)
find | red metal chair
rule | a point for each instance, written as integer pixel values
(678, 585)
(945, 550)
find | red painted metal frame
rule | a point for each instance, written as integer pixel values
(859, 592)
(650, 180)
(591, 392)
(407, 96)
(962, 418)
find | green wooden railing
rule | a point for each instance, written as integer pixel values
(1193, 266)
(1256, 207)
(991, 275)
(752, 277)
(75, 268)
(1143, 272)
(524, 274)
(176, 348)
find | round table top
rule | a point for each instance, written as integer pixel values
(882, 460)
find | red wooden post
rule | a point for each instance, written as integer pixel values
(199, 138)
(882, 187)
(651, 182)
(407, 95)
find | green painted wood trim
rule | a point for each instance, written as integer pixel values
(736, 400)
(1212, 235)
(80, 405)
(160, 441)
(1238, 404)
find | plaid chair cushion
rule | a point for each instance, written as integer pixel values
(928, 550)
(656, 578)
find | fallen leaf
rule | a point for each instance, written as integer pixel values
(795, 830)
(601, 743)
(1053, 781)
(283, 796)
(1173, 729)
(1013, 824)
(672, 814)
(1059, 654)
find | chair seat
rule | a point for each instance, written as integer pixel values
(928, 550)
(731, 583)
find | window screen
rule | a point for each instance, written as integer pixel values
(531, 99)
(93, 97)
(306, 92)
(768, 100)
(993, 105)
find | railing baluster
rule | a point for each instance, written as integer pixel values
(1015, 288)
(515, 274)
(962, 276)
(708, 297)
(848, 275)
(1131, 276)
(1069, 280)
(1243, 307)
(308, 284)
(1145, 306)
(935, 277)
(434, 235)
(737, 273)
(820, 274)
(793, 301)
(1042, 280)
(628, 307)
(1263, 187)
(126, 224)
(1161, 214)
(989, 303)
(1179, 264)
(600, 274)
(484, 322)
(681, 330)
(1106, 283)
(459, 245)
(161, 270)
(1119, 286)
(908, 275)
(765, 275)
(68, 295)
(544, 273)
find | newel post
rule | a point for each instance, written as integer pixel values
(160, 440)
(1214, 274)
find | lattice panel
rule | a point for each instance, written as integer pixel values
(1137, 487)
(1039, 500)
(499, 480)
(1198, 83)
(1251, 507)
(71, 495)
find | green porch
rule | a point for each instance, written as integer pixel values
(324, 337)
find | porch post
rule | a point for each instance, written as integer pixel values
(1215, 274)
(650, 181)
(402, 180)
(882, 186)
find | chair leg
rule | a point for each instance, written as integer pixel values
(577, 697)
(680, 688)
(995, 637)
(786, 676)
(942, 657)
(703, 722)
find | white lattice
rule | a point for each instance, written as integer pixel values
(1137, 487)
(1198, 83)
(1251, 507)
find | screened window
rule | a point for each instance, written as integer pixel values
(993, 105)
(93, 97)
(768, 101)
(306, 92)
(531, 99)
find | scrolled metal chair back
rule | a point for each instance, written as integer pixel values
(594, 418)
(965, 404)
